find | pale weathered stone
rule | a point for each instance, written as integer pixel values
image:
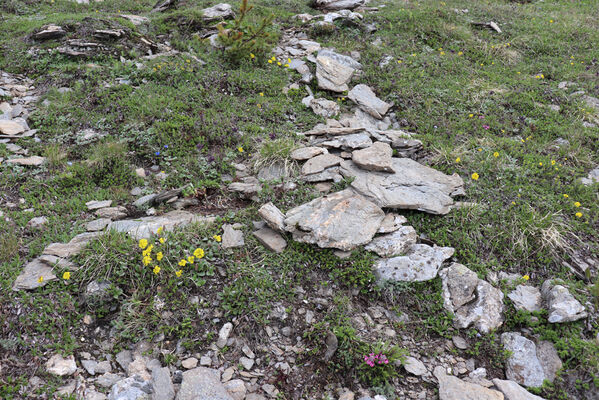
(132, 388)
(34, 161)
(562, 306)
(365, 98)
(526, 298)
(522, 366)
(512, 391)
(10, 128)
(334, 71)
(97, 224)
(412, 186)
(202, 383)
(320, 163)
(236, 389)
(272, 216)
(452, 388)
(223, 334)
(162, 385)
(393, 244)
(374, 158)
(549, 359)
(189, 363)
(342, 220)
(414, 366)
(218, 12)
(36, 273)
(37, 222)
(113, 213)
(57, 365)
(473, 301)
(146, 226)
(247, 188)
(324, 108)
(332, 5)
(392, 222)
(421, 263)
(135, 19)
(49, 32)
(306, 153)
(97, 204)
(592, 177)
(347, 142)
(271, 239)
(231, 237)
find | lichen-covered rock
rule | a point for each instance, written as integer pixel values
(562, 306)
(420, 263)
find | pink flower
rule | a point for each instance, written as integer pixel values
(486, 127)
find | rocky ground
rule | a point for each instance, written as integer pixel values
(382, 201)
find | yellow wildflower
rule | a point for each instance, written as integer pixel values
(540, 164)
(156, 269)
(270, 61)
(458, 160)
(217, 238)
(159, 231)
(261, 94)
(552, 162)
(161, 240)
(159, 256)
(198, 253)
(460, 53)
(240, 149)
(470, 115)
(526, 277)
(147, 260)
(496, 154)
(190, 259)
(252, 55)
(442, 53)
(279, 63)
(178, 273)
(182, 263)
(579, 214)
(475, 176)
(566, 196)
(399, 61)
(577, 204)
(40, 279)
(66, 276)
(143, 243)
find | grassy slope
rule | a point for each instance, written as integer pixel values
(449, 69)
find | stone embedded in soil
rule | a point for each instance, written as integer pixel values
(272, 216)
(231, 237)
(324, 108)
(366, 99)
(452, 388)
(33, 161)
(218, 12)
(334, 71)
(415, 366)
(97, 204)
(134, 387)
(30, 276)
(50, 32)
(421, 263)
(112, 212)
(223, 334)
(329, 174)
(57, 365)
(189, 363)
(592, 177)
(524, 365)
(236, 389)
(412, 186)
(392, 222)
(473, 301)
(97, 224)
(306, 153)
(526, 298)
(562, 306)
(512, 391)
(342, 220)
(334, 5)
(11, 128)
(320, 163)
(248, 187)
(202, 383)
(374, 158)
(162, 385)
(37, 222)
(271, 239)
(393, 244)
(146, 226)
(349, 142)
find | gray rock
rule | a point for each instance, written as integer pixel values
(218, 12)
(144, 227)
(108, 380)
(549, 359)
(306, 153)
(334, 71)
(374, 158)
(202, 383)
(320, 163)
(273, 172)
(144, 201)
(473, 301)
(412, 186)
(421, 263)
(324, 108)
(329, 174)
(132, 388)
(392, 222)
(562, 306)
(30, 276)
(365, 98)
(231, 237)
(415, 366)
(247, 363)
(512, 391)
(74, 246)
(247, 188)
(592, 177)
(49, 32)
(393, 244)
(526, 298)
(223, 334)
(332, 5)
(97, 224)
(99, 289)
(34, 161)
(272, 216)
(460, 342)
(522, 366)
(189, 363)
(37, 222)
(162, 386)
(271, 239)
(347, 142)
(452, 388)
(112, 212)
(97, 204)
(10, 128)
(236, 389)
(124, 357)
(90, 366)
(57, 365)
(342, 220)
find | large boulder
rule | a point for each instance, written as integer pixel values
(342, 220)
(473, 302)
(412, 186)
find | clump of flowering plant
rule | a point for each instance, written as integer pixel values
(380, 365)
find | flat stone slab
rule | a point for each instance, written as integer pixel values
(334, 71)
(33, 161)
(117, 212)
(349, 142)
(453, 388)
(562, 306)
(342, 220)
(272, 216)
(324, 108)
(522, 366)
(421, 263)
(97, 204)
(272, 240)
(365, 98)
(394, 244)
(320, 163)
(11, 128)
(231, 237)
(202, 383)
(30, 276)
(306, 153)
(512, 391)
(377, 157)
(97, 224)
(412, 186)
(146, 226)
(526, 298)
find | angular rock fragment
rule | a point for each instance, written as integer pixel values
(526, 298)
(320, 163)
(10, 128)
(202, 383)
(393, 244)
(30, 276)
(218, 12)
(334, 71)
(342, 220)
(452, 388)
(34, 161)
(512, 391)
(144, 227)
(57, 365)
(49, 32)
(117, 212)
(306, 153)
(592, 177)
(523, 365)
(271, 239)
(347, 142)
(324, 108)
(562, 306)
(374, 158)
(248, 187)
(272, 216)
(412, 186)
(420, 263)
(392, 222)
(97, 204)
(231, 237)
(332, 5)
(365, 98)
